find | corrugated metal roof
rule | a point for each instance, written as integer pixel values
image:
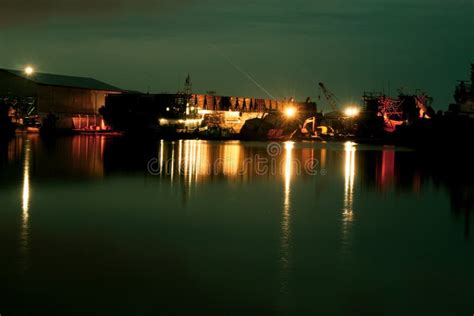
(64, 81)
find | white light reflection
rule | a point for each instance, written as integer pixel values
(162, 145)
(347, 212)
(195, 160)
(26, 183)
(180, 156)
(172, 162)
(231, 158)
(25, 204)
(323, 158)
(197, 155)
(285, 222)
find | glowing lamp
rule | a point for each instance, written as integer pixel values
(351, 111)
(290, 112)
(29, 70)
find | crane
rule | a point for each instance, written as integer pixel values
(330, 97)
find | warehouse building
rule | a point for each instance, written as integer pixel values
(74, 101)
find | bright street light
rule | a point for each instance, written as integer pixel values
(290, 112)
(351, 111)
(29, 70)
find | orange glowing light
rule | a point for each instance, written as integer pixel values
(290, 112)
(351, 111)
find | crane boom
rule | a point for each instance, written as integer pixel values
(330, 97)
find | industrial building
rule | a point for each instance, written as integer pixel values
(189, 111)
(74, 101)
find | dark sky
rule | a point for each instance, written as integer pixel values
(287, 46)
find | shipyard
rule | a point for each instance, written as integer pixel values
(54, 104)
(263, 157)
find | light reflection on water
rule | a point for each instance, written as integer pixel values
(25, 205)
(348, 211)
(306, 242)
(286, 217)
(194, 161)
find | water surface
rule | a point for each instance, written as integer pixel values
(105, 225)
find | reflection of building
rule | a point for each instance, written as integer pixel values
(232, 158)
(386, 174)
(462, 202)
(390, 169)
(87, 155)
(67, 97)
(66, 157)
(410, 171)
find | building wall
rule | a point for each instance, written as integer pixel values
(245, 104)
(242, 104)
(70, 104)
(63, 100)
(52, 98)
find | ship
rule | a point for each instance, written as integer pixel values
(189, 115)
(410, 120)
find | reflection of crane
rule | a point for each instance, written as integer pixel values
(329, 96)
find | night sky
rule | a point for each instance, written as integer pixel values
(287, 46)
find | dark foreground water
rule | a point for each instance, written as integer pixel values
(92, 225)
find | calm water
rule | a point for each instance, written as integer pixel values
(95, 225)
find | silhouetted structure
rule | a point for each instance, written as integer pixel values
(464, 97)
(34, 96)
